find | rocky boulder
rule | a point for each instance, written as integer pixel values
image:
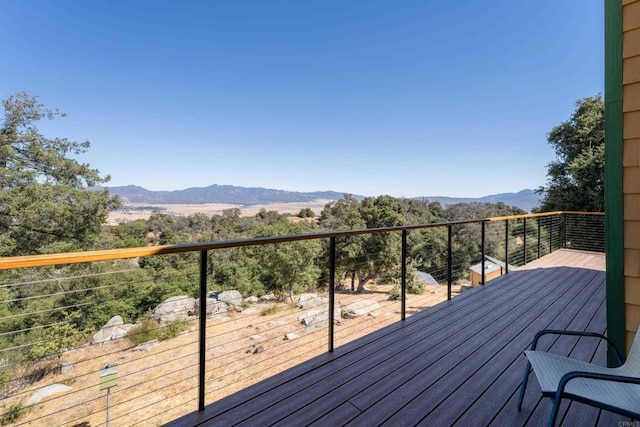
(66, 367)
(146, 346)
(46, 392)
(319, 317)
(230, 298)
(311, 300)
(114, 329)
(268, 298)
(359, 308)
(214, 307)
(175, 308)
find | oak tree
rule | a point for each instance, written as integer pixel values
(576, 178)
(46, 200)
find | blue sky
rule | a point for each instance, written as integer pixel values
(404, 97)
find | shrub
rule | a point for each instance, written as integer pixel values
(149, 330)
(273, 309)
(306, 213)
(57, 339)
(12, 414)
(172, 329)
(145, 331)
(5, 376)
(416, 287)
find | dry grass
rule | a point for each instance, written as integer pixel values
(159, 385)
(212, 209)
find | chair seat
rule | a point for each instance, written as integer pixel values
(549, 369)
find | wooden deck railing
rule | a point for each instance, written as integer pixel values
(561, 229)
(114, 254)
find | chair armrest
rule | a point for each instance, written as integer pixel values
(534, 343)
(595, 376)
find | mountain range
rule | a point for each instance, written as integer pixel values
(247, 196)
(524, 199)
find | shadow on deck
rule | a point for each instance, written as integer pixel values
(457, 363)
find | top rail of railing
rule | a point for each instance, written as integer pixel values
(27, 261)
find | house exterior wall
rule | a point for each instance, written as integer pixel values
(631, 164)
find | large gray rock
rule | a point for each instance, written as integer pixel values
(66, 367)
(175, 308)
(230, 297)
(311, 300)
(114, 329)
(46, 392)
(268, 298)
(319, 317)
(146, 346)
(359, 308)
(214, 307)
(255, 349)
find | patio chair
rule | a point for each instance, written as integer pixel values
(613, 389)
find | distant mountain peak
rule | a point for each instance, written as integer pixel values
(215, 193)
(525, 199)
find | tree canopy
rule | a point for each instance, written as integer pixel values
(46, 203)
(576, 177)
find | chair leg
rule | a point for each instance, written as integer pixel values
(555, 409)
(524, 385)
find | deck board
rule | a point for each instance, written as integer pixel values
(457, 363)
(472, 351)
(455, 379)
(500, 375)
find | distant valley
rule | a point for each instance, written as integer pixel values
(136, 197)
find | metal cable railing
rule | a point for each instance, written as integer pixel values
(50, 313)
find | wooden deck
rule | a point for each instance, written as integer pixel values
(458, 363)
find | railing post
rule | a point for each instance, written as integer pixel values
(551, 233)
(403, 279)
(506, 246)
(332, 288)
(202, 318)
(524, 239)
(564, 220)
(449, 261)
(482, 228)
(539, 241)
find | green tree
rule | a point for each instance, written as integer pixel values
(45, 201)
(365, 256)
(306, 213)
(130, 234)
(344, 214)
(237, 269)
(576, 178)
(413, 283)
(59, 337)
(289, 266)
(380, 251)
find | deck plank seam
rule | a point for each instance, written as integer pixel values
(397, 338)
(447, 371)
(524, 335)
(483, 346)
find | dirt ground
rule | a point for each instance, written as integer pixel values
(160, 384)
(135, 210)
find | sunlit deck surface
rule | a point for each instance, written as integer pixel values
(458, 363)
